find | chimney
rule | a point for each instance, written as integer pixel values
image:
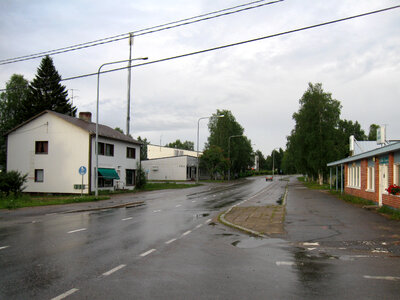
(86, 116)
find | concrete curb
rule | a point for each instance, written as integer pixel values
(126, 205)
(221, 218)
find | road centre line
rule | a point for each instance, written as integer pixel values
(285, 263)
(208, 221)
(4, 247)
(170, 241)
(391, 278)
(114, 270)
(126, 219)
(147, 252)
(198, 226)
(77, 230)
(156, 211)
(186, 233)
(66, 294)
(179, 205)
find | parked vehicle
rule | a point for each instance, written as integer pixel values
(269, 178)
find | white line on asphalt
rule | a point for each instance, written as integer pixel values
(391, 278)
(170, 241)
(66, 294)
(4, 247)
(198, 226)
(311, 249)
(311, 244)
(205, 198)
(179, 205)
(147, 252)
(193, 201)
(156, 211)
(126, 219)
(77, 230)
(284, 263)
(114, 270)
(208, 221)
(186, 233)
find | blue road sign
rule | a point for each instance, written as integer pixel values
(82, 170)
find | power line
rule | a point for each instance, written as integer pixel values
(149, 30)
(241, 43)
(237, 43)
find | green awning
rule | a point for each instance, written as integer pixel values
(108, 173)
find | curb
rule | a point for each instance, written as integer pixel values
(221, 219)
(126, 205)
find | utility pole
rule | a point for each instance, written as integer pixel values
(128, 117)
(72, 95)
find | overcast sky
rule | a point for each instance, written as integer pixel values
(358, 61)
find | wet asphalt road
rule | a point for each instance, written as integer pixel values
(171, 249)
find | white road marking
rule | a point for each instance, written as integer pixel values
(205, 198)
(66, 294)
(311, 244)
(147, 252)
(4, 247)
(186, 233)
(126, 219)
(114, 270)
(156, 211)
(193, 201)
(311, 249)
(170, 241)
(198, 226)
(77, 230)
(179, 205)
(391, 278)
(285, 263)
(208, 221)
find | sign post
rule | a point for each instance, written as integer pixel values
(82, 171)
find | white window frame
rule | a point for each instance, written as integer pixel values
(371, 179)
(396, 174)
(354, 177)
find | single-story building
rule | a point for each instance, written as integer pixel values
(369, 174)
(155, 151)
(171, 168)
(55, 150)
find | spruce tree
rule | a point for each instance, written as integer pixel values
(47, 93)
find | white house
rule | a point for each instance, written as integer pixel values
(171, 168)
(52, 147)
(154, 151)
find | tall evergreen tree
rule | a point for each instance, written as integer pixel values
(46, 92)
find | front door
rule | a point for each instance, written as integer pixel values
(383, 181)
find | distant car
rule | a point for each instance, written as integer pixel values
(269, 178)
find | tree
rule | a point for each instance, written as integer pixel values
(46, 92)
(11, 106)
(240, 150)
(214, 161)
(345, 130)
(313, 139)
(372, 132)
(143, 148)
(119, 130)
(187, 145)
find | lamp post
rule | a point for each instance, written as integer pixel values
(229, 154)
(96, 175)
(197, 152)
(273, 161)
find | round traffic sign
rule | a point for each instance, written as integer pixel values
(82, 170)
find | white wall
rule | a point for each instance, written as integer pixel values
(119, 161)
(154, 151)
(172, 168)
(68, 150)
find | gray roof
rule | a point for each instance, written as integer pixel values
(104, 131)
(376, 152)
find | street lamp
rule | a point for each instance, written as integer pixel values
(96, 175)
(273, 161)
(229, 154)
(198, 126)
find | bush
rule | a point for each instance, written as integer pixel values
(141, 178)
(12, 182)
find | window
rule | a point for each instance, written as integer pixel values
(39, 175)
(103, 182)
(354, 176)
(396, 173)
(106, 149)
(130, 152)
(130, 177)
(41, 147)
(371, 178)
